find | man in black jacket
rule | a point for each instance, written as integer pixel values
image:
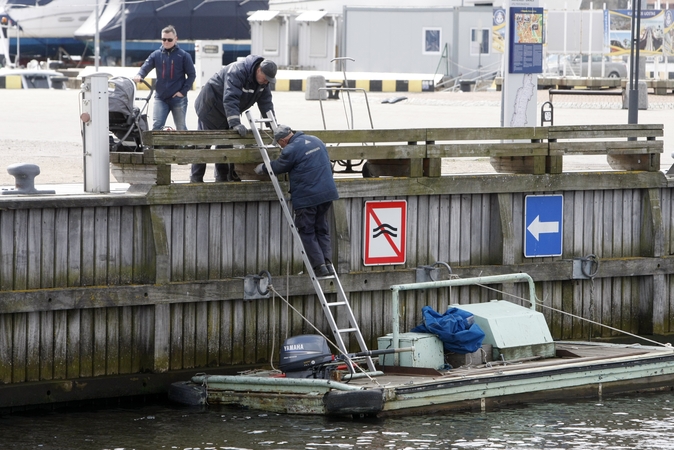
(222, 100)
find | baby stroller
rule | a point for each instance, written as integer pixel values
(126, 121)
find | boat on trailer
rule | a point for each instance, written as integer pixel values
(518, 362)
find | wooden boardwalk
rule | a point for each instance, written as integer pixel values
(105, 296)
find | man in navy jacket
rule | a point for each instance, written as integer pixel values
(175, 76)
(313, 190)
(230, 92)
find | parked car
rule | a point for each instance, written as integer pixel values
(32, 79)
(577, 66)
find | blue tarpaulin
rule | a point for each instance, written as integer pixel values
(455, 328)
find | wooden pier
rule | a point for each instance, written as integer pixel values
(116, 295)
(655, 86)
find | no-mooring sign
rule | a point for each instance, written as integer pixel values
(385, 228)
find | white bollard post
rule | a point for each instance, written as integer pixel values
(95, 133)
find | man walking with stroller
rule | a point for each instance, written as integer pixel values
(231, 91)
(175, 76)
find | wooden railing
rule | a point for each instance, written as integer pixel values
(408, 152)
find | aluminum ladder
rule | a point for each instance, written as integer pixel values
(342, 300)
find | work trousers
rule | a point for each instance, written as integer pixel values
(312, 226)
(223, 172)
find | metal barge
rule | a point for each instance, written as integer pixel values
(517, 363)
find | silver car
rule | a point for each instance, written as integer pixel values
(577, 66)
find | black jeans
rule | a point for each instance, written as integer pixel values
(223, 171)
(312, 226)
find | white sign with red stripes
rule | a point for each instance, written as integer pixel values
(385, 227)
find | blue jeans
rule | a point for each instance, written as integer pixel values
(314, 230)
(161, 109)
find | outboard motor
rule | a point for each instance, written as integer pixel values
(305, 356)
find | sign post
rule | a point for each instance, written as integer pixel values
(524, 60)
(95, 133)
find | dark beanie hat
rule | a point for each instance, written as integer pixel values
(268, 68)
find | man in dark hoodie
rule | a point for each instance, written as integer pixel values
(222, 100)
(175, 76)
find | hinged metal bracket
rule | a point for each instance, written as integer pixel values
(585, 268)
(426, 274)
(256, 286)
(430, 273)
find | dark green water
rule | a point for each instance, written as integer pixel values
(630, 422)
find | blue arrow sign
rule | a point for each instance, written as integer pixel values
(543, 219)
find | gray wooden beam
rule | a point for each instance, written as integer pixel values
(232, 289)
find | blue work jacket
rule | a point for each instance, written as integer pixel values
(307, 163)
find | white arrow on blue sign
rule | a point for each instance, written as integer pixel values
(543, 219)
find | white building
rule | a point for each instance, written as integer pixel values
(449, 37)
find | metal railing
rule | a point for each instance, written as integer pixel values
(476, 77)
(477, 281)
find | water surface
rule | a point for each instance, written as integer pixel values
(629, 422)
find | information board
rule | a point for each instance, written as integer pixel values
(526, 40)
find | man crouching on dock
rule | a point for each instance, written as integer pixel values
(305, 159)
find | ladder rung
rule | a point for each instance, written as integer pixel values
(335, 304)
(341, 299)
(347, 330)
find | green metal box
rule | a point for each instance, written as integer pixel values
(428, 350)
(514, 331)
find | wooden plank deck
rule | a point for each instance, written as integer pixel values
(568, 353)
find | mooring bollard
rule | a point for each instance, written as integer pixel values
(24, 174)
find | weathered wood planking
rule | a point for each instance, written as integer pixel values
(92, 290)
(45, 248)
(603, 147)
(513, 150)
(480, 150)
(605, 131)
(58, 345)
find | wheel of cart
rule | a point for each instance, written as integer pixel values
(368, 168)
(333, 90)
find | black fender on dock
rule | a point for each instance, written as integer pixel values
(354, 402)
(187, 393)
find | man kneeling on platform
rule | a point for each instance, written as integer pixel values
(313, 190)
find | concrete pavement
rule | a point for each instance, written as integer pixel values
(43, 127)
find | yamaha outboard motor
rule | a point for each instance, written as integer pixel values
(305, 356)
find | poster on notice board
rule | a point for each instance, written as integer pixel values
(526, 40)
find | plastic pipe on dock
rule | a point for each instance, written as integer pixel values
(270, 381)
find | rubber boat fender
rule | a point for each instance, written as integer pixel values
(187, 393)
(369, 401)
